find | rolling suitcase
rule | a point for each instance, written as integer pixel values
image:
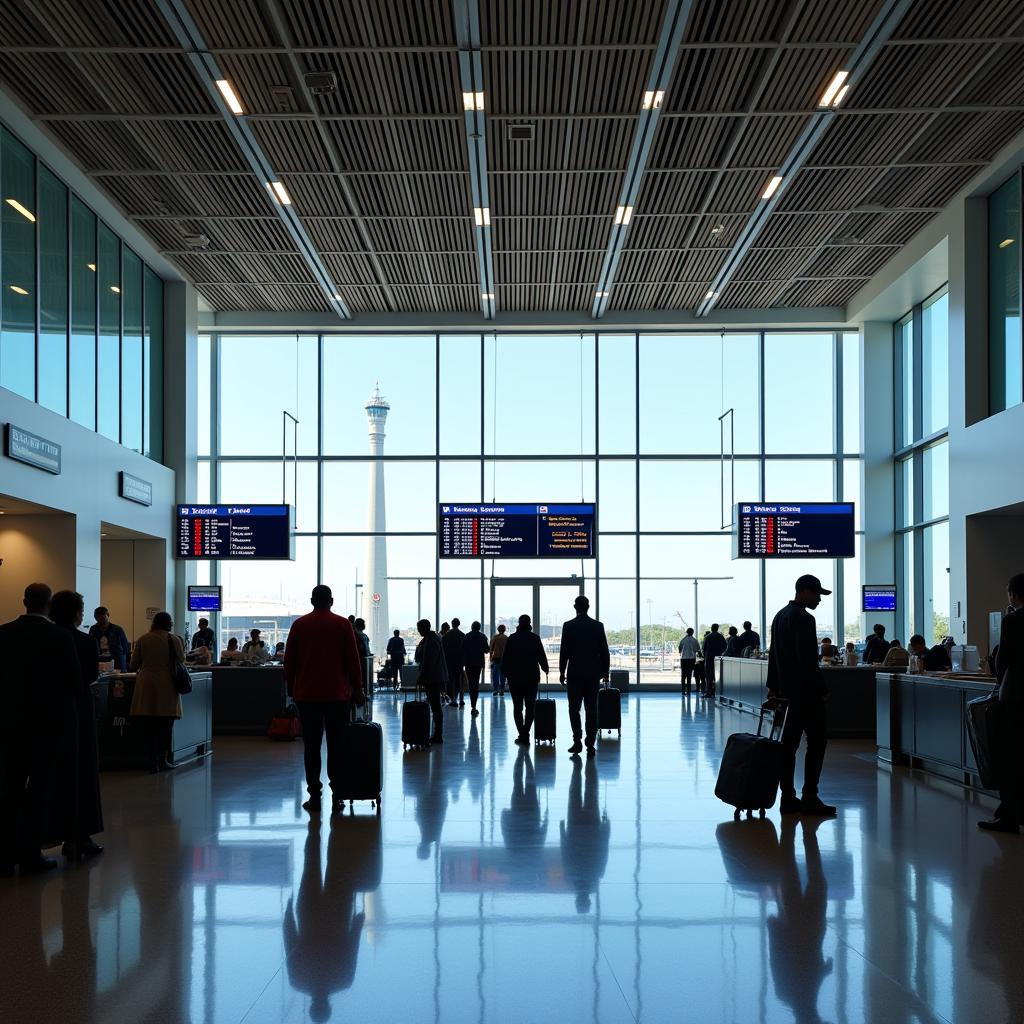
(609, 709)
(983, 717)
(544, 719)
(362, 761)
(748, 778)
(416, 722)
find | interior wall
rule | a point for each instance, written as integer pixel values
(133, 582)
(34, 549)
(995, 552)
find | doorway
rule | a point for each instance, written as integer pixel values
(547, 601)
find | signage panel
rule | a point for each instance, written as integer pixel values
(516, 531)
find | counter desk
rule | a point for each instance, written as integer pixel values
(246, 697)
(742, 683)
(119, 736)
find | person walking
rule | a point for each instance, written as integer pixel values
(155, 702)
(81, 776)
(689, 652)
(452, 643)
(365, 655)
(40, 681)
(474, 653)
(1009, 815)
(498, 642)
(111, 640)
(749, 638)
(523, 661)
(795, 675)
(714, 647)
(323, 675)
(396, 657)
(583, 662)
(433, 674)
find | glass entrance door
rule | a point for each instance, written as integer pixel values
(548, 602)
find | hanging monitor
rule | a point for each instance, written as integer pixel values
(515, 531)
(879, 597)
(204, 599)
(786, 529)
(249, 532)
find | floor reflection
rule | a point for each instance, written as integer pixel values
(585, 834)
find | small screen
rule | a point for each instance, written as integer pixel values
(204, 599)
(879, 598)
(251, 532)
(786, 529)
(516, 531)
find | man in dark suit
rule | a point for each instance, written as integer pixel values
(714, 646)
(41, 679)
(583, 662)
(522, 663)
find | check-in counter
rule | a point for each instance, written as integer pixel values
(119, 736)
(922, 722)
(742, 683)
(246, 697)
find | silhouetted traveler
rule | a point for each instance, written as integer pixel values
(204, 636)
(322, 673)
(365, 654)
(396, 656)
(155, 702)
(896, 657)
(80, 776)
(714, 647)
(452, 642)
(433, 673)
(876, 646)
(585, 835)
(583, 662)
(474, 654)
(733, 644)
(40, 682)
(498, 642)
(1010, 673)
(794, 674)
(111, 640)
(523, 661)
(523, 827)
(689, 652)
(749, 638)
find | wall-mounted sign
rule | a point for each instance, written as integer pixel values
(151, 612)
(135, 489)
(32, 450)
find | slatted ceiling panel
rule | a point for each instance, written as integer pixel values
(239, 24)
(800, 77)
(806, 229)
(437, 299)
(219, 195)
(657, 232)
(541, 267)
(827, 189)
(1002, 81)
(855, 138)
(370, 22)
(592, 22)
(915, 75)
(431, 269)
(315, 196)
(334, 235)
(965, 136)
(765, 141)
(710, 80)
(102, 145)
(712, 21)
(818, 293)
(253, 76)
(396, 144)
(185, 146)
(519, 234)
(672, 191)
(555, 296)
(22, 27)
(690, 142)
(578, 193)
(245, 268)
(149, 196)
(291, 146)
(851, 261)
(439, 195)
(276, 298)
(151, 83)
(835, 22)
(771, 265)
(569, 143)
(98, 23)
(446, 234)
(918, 186)
(645, 297)
(352, 269)
(740, 191)
(49, 83)
(365, 299)
(897, 228)
(244, 235)
(941, 19)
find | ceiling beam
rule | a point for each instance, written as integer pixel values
(677, 14)
(207, 70)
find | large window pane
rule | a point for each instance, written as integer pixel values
(852, 344)
(935, 365)
(83, 315)
(617, 393)
(905, 492)
(852, 628)
(683, 496)
(153, 368)
(409, 500)
(204, 397)
(18, 263)
(461, 394)
(851, 488)
(687, 382)
(108, 368)
(525, 482)
(905, 398)
(936, 583)
(936, 481)
(1006, 379)
(799, 364)
(780, 578)
(263, 483)
(905, 593)
(131, 350)
(53, 293)
(616, 507)
(803, 480)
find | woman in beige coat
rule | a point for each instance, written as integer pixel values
(155, 702)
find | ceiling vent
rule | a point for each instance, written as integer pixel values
(196, 241)
(520, 132)
(321, 83)
(284, 99)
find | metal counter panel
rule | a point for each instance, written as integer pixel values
(245, 698)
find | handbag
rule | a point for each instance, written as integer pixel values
(179, 674)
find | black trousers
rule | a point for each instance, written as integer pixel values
(473, 674)
(157, 732)
(433, 695)
(709, 676)
(804, 718)
(524, 700)
(26, 789)
(583, 694)
(686, 667)
(1011, 767)
(320, 717)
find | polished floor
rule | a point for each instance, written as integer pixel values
(505, 885)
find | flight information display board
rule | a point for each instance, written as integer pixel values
(516, 531)
(879, 597)
(254, 532)
(805, 529)
(204, 599)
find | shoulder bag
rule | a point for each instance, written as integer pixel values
(179, 674)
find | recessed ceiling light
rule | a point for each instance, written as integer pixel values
(601, 295)
(472, 101)
(482, 214)
(836, 90)
(337, 297)
(103, 535)
(772, 187)
(718, 229)
(652, 99)
(18, 289)
(24, 211)
(623, 214)
(711, 295)
(487, 296)
(115, 289)
(92, 267)
(280, 193)
(230, 96)
(1005, 242)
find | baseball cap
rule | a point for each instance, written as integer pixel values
(811, 583)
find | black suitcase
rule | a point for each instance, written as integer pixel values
(748, 778)
(983, 719)
(544, 719)
(609, 709)
(416, 722)
(362, 761)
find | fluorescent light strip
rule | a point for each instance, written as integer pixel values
(18, 290)
(833, 95)
(482, 215)
(1005, 242)
(772, 187)
(601, 295)
(840, 96)
(489, 296)
(115, 289)
(92, 267)
(653, 100)
(711, 295)
(230, 96)
(472, 101)
(623, 214)
(26, 213)
(280, 193)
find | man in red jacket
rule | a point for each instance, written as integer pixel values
(323, 674)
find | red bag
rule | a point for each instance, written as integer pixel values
(284, 726)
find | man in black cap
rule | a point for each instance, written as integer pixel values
(795, 675)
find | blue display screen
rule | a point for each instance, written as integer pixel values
(515, 531)
(204, 599)
(234, 531)
(879, 598)
(788, 529)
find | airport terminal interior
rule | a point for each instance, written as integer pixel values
(465, 309)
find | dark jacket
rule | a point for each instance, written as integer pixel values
(396, 648)
(430, 654)
(204, 638)
(117, 642)
(936, 659)
(41, 672)
(474, 649)
(875, 649)
(524, 657)
(452, 643)
(1010, 659)
(793, 669)
(734, 647)
(749, 638)
(584, 651)
(714, 645)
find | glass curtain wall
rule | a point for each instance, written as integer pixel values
(664, 432)
(1005, 366)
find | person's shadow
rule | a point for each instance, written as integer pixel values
(423, 779)
(523, 827)
(585, 834)
(322, 928)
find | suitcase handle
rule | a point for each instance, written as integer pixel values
(367, 715)
(774, 705)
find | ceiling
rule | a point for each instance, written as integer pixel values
(379, 172)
